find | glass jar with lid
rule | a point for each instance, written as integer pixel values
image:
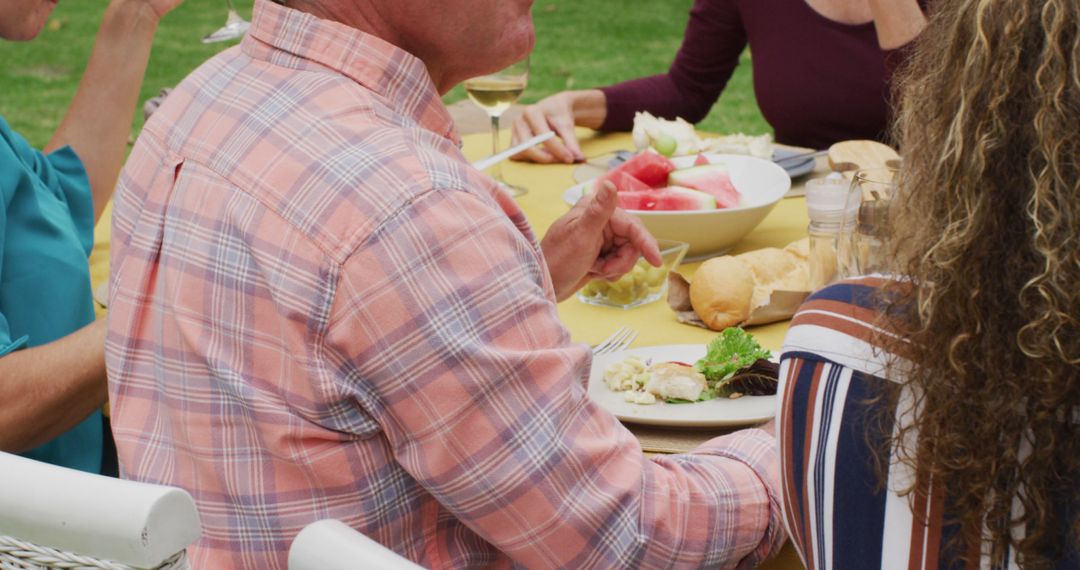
(826, 200)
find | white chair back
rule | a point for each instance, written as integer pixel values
(332, 545)
(54, 517)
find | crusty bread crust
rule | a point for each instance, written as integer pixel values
(721, 292)
(726, 289)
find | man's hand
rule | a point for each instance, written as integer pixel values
(594, 240)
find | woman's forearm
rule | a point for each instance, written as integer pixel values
(98, 121)
(48, 389)
(897, 21)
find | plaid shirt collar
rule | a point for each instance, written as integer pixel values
(397, 76)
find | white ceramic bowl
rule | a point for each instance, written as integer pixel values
(761, 183)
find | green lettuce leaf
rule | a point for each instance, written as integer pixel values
(731, 351)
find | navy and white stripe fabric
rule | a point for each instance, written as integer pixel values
(836, 509)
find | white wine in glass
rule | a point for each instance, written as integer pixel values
(494, 94)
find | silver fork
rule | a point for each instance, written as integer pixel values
(612, 158)
(618, 340)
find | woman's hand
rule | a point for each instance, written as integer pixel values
(560, 113)
(158, 8)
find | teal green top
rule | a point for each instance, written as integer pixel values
(46, 234)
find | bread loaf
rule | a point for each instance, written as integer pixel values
(726, 289)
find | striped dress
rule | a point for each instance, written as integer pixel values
(836, 511)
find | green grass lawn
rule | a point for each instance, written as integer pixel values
(580, 43)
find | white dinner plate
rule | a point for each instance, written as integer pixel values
(713, 413)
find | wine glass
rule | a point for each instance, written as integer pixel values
(494, 94)
(234, 27)
(861, 244)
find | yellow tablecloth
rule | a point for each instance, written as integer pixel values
(655, 323)
(99, 256)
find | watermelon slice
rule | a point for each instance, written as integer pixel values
(623, 182)
(648, 167)
(712, 178)
(670, 198)
(701, 160)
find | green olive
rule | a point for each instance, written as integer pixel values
(654, 276)
(621, 296)
(624, 283)
(641, 281)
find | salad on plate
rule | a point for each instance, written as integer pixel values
(734, 365)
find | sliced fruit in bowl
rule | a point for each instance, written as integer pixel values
(648, 168)
(670, 198)
(711, 178)
(709, 201)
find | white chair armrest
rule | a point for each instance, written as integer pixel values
(332, 545)
(132, 523)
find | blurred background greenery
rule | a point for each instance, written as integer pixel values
(580, 43)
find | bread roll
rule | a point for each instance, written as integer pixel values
(721, 291)
(800, 249)
(725, 290)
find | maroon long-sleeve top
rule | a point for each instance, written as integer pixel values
(817, 81)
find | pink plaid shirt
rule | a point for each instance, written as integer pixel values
(320, 310)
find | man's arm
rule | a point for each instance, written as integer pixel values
(48, 389)
(493, 418)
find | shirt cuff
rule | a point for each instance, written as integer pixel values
(759, 451)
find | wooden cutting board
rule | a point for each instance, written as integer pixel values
(849, 156)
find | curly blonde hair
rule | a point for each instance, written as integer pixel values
(987, 227)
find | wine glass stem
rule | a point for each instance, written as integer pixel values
(233, 17)
(496, 171)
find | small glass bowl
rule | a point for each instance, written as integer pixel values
(643, 284)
